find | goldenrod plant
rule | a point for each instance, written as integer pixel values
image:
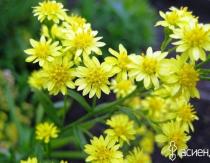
(152, 89)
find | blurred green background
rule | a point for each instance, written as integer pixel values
(129, 22)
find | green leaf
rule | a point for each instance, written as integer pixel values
(68, 154)
(80, 99)
(79, 136)
(48, 106)
(61, 141)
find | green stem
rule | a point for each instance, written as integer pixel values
(94, 101)
(68, 154)
(65, 108)
(47, 149)
(149, 122)
(61, 142)
(166, 40)
(101, 109)
(170, 50)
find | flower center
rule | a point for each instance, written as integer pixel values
(188, 76)
(42, 51)
(177, 137)
(50, 8)
(60, 75)
(119, 130)
(103, 153)
(149, 65)
(83, 40)
(97, 77)
(186, 114)
(124, 85)
(172, 18)
(196, 36)
(156, 104)
(123, 61)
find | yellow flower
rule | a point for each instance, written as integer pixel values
(134, 102)
(36, 80)
(122, 87)
(184, 80)
(59, 75)
(103, 150)
(187, 114)
(62, 161)
(121, 129)
(147, 142)
(137, 156)
(46, 131)
(50, 10)
(176, 17)
(74, 22)
(43, 51)
(30, 160)
(172, 132)
(156, 107)
(193, 40)
(148, 67)
(83, 41)
(120, 61)
(93, 77)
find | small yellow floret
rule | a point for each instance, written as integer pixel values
(103, 150)
(173, 132)
(30, 160)
(137, 156)
(148, 67)
(94, 77)
(46, 131)
(50, 10)
(121, 129)
(43, 51)
(122, 87)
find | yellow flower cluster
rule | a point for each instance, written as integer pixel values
(67, 53)
(109, 148)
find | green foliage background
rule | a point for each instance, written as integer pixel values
(129, 22)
